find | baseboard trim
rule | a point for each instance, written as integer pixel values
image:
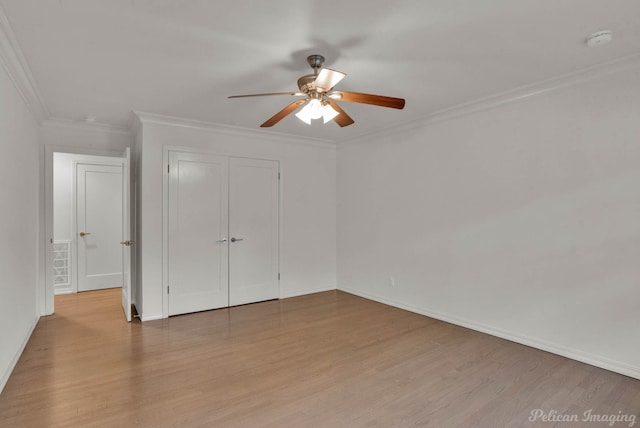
(16, 357)
(554, 348)
(304, 292)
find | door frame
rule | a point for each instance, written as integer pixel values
(166, 149)
(45, 294)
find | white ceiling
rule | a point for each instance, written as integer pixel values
(105, 58)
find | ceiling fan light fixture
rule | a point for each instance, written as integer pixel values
(317, 88)
(303, 116)
(316, 109)
(312, 110)
(328, 113)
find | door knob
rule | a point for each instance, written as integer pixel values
(221, 241)
(85, 233)
(236, 239)
(127, 243)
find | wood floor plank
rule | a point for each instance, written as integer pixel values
(324, 360)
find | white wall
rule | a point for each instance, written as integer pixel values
(19, 190)
(308, 216)
(84, 137)
(522, 220)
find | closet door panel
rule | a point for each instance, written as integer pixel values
(253, 230)
(198, 226)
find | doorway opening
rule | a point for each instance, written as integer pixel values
(87, 215)
(88, 227)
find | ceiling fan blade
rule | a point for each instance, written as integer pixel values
(342, 119)
(328, 78)
(376, 100)
(283, 113)
(267, 94)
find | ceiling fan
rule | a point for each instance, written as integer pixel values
(320, 99)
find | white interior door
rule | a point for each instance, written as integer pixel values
(126, 241)
(99, 226)
(253, 228)
(198, 224)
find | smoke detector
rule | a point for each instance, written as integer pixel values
(600, 38)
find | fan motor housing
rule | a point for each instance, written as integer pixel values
(306, 83)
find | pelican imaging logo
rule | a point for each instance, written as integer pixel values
(587, 416)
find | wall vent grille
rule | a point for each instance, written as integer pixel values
(61, 265)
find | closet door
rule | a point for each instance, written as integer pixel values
(198, 226)
(253, 230)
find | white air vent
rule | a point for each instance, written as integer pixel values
(61, 258)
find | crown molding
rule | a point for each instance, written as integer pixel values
(135, 124)
(511, 96)
(145, 117)
(58, 122)
(18, 70)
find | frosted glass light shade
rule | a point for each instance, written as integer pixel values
(315, 110)
(304, 116)
(328, 113)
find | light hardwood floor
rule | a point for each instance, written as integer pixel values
(323, 360)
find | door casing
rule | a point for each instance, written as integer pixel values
(45, 295)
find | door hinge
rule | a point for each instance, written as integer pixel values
(278, 276)
(167, 289)
(168, 167)
(278, 176)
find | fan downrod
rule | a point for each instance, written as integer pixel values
(315, 61)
